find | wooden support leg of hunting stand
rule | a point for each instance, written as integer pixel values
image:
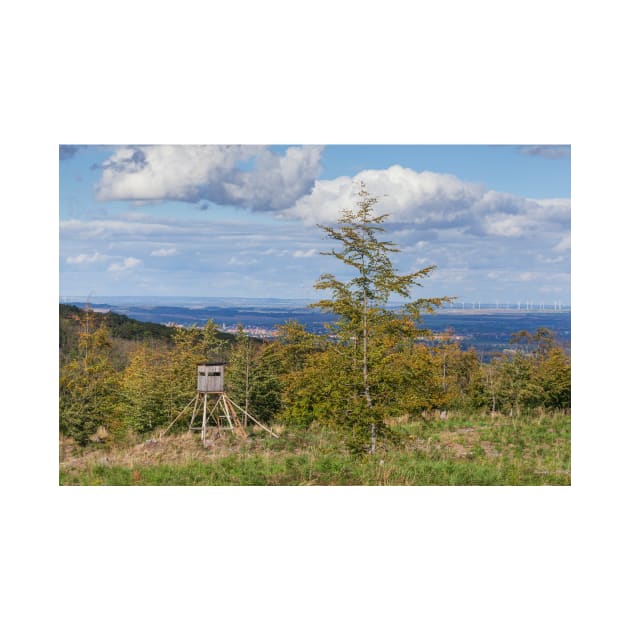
(179, 415)
(249, 415)
(237, 422)
(194, 413)
(205, 419)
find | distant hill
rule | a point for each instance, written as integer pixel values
(120, 326)
(124, 327)
(266, 316)
(124, 330)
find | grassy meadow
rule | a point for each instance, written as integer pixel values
(460, 449)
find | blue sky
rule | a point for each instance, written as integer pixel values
(241, 220)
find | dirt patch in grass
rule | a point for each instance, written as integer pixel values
(459, 444)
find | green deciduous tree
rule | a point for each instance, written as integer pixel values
(147, 390)
(253, 376)
(361, 302)
(553, 370)
(89, 388)
(412, 381)
(554, 377)
(517, 387)
(537, 373)
(266, 389)
(187, 352)
(213, 346)
(241, 370)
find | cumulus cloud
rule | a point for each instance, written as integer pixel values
(558, 210)
(277, 181)
(433, 202)
(430, 198)
(492, 201)
(128, 263)
(251, 177)
(164, 251)
(503, 224)
(83, 259)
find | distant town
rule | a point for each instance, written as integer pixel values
(251, 331)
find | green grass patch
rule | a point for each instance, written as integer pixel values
(464, 450)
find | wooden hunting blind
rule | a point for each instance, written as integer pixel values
(210, 378)
(217, 406)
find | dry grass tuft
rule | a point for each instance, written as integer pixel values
(171, 449)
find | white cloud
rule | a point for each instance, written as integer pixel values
(564, 244)
(272, 251)
(248, 176)
(277, 181)
(242, 261)
(111, 228)
(405, 195)
(435, 201)
(165, 171)
(450, 275)
(558, 279)
(526, 276)
(164, 251)
(506, 203)
(558, 210)
(556, 290)
(452, 222)
(308, 253)
(83, 259)
(128, 263)
(550, 259)
(501, 224)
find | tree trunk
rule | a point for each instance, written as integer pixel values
(444, 372)
(366, 384)
(246, 383)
